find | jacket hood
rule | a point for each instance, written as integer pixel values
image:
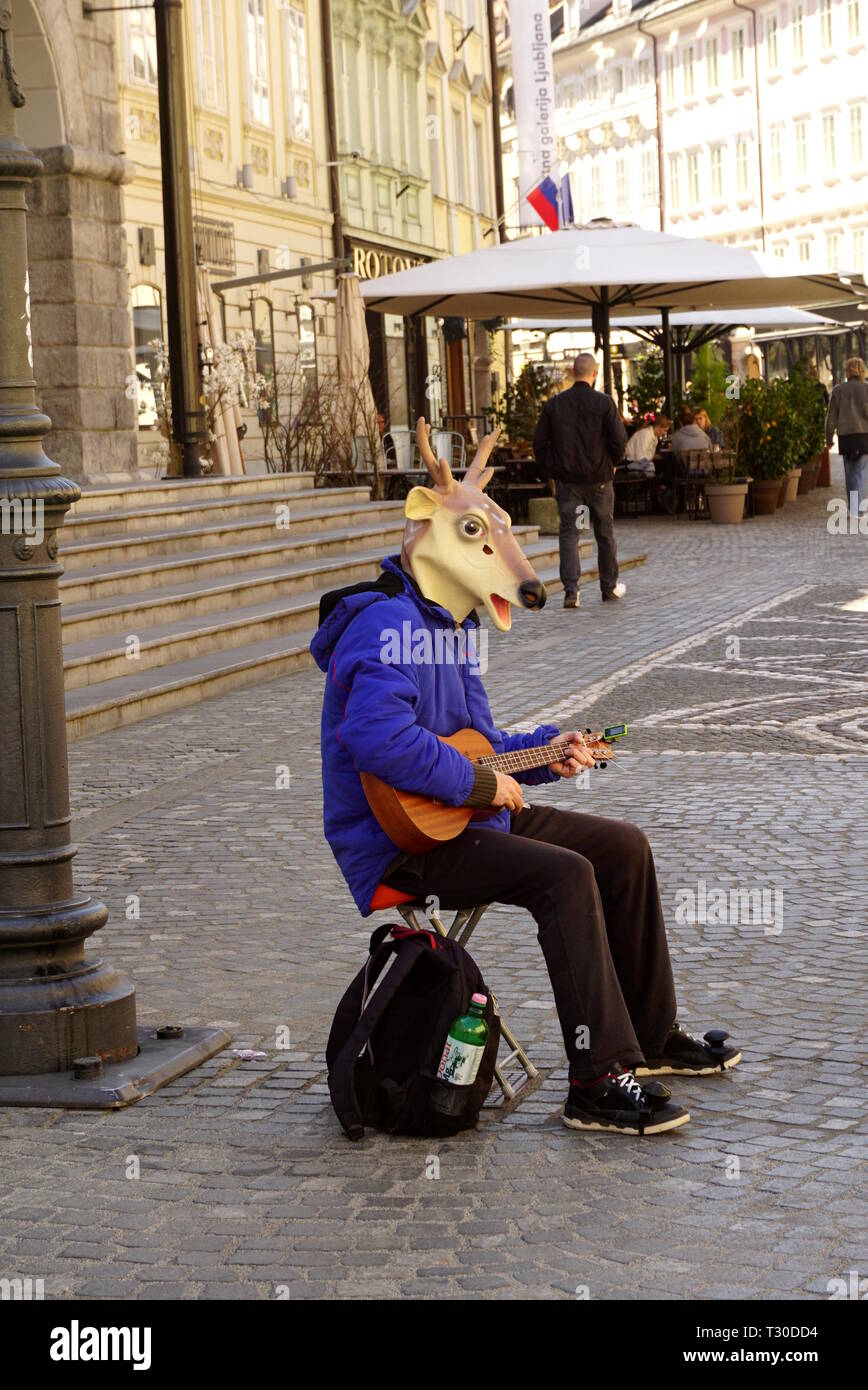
(333, 627)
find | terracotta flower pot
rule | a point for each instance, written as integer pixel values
(791, 481)
(764, 492)
(809, 476)
(782, 491)
(726, 502)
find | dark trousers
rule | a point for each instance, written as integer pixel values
(599, 498)
(590, 884)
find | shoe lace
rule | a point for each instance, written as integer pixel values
(627, 1081)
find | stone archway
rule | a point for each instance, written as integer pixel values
(66, 67)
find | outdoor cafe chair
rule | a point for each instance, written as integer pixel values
(696, 467)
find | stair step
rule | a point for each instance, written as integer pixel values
(106, 655)
(112, 703)
(139, 613)
(104, 552)
(122, 496)
(81, 525)
(136, 577)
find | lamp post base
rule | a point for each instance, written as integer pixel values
(94, 1085)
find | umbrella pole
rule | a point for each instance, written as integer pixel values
(607, 346)
(666, 336)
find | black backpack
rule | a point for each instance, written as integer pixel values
(384, 1048)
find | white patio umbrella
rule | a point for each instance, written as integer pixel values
(602, 267)
(356, 409)
(690, 330)
(706, 318)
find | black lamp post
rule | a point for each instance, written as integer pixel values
(68, 1031)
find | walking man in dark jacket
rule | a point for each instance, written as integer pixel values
(578, 440)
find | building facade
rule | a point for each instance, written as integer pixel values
(66, 67)
(414, 134)
(744, 123)
(257, 127)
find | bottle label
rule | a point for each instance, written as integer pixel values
(460, 1062)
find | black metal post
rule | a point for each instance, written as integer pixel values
(666, 338)
(68, 1032)
(499, 200)
(188, 415)
(332, 127)
(606, 335)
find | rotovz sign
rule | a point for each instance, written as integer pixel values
(534, 89)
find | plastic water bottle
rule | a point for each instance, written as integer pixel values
(461, 1057)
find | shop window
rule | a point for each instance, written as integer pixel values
(307, 347)
(147, 329)
(263, 333)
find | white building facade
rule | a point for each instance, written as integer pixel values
(751, 121)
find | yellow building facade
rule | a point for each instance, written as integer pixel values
(413, 133)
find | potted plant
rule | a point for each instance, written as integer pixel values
(726, 494)
(809, 406)
(763, 450)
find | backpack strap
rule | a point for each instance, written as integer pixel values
(388, 585)
(341, 1073)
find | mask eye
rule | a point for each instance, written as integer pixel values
(471, 528)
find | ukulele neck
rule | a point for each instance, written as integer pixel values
(523, 759)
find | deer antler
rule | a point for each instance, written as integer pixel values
(438, 468)
(478, 474)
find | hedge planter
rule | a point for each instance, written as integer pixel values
(726, 502)
(765, 492)
(791, 484)
(824, 477)
(782, 491)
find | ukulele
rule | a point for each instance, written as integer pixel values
(417, 824)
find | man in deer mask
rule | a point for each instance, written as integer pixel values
(589, 881)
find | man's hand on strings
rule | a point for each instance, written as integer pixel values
(577, 758)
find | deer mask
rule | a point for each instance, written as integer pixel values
(458, 544)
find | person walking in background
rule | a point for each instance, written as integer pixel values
(579, 439)
(847, 417)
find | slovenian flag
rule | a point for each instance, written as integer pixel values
(544, 200)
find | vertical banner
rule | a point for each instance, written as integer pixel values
(534, 88)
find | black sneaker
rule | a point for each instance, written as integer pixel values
(619, 1103)
(572, 601)
(685, 1055)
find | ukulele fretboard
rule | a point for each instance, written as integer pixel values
(522, 759)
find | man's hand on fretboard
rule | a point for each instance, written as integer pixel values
(578, 757)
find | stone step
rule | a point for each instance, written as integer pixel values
(137, 613)
(122, 497)
(115, 702)
(133, 614)
(107, 656)
(104, 553)
(134, 576)
(83, 526)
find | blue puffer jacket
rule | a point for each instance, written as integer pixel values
(382, 717)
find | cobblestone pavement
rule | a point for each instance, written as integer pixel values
(739, 662)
